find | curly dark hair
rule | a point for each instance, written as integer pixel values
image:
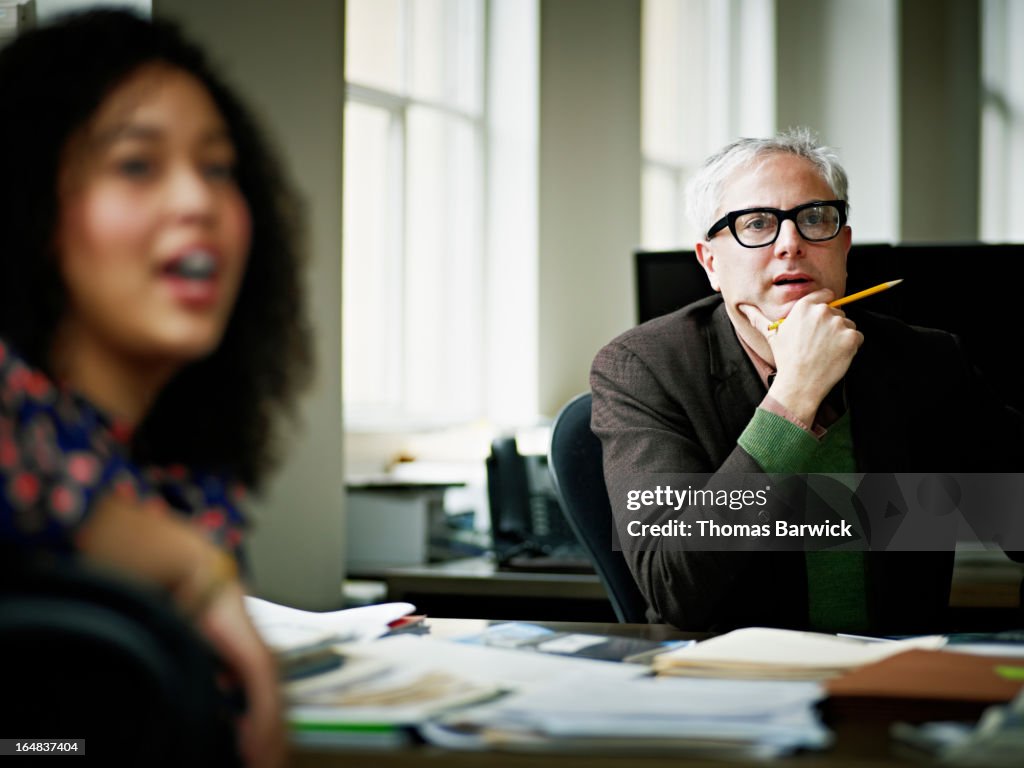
(217, 413)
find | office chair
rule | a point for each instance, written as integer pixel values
(87, 656)
(574, 459)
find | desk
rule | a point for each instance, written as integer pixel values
(475, 588)
(985, 579)
(857, 743)
(985, 594)
(986, 591)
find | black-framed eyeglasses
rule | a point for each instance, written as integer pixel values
(758, 227)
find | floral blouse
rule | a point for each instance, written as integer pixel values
(59, 454)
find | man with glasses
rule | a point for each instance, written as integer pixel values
(722, 387)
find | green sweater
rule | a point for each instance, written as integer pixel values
(836, 596)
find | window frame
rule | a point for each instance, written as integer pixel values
(394, 412)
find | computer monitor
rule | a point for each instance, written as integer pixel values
(965, 288)
(667, 281)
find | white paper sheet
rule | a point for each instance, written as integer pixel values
(283, 627)
(791, 649)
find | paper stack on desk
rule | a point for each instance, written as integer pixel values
(415, 679)
(475, 697)
(722, 718)
(568, 703)
(370, 701)
(758, 653)
(338, 695)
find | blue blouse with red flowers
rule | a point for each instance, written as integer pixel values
(59, 454)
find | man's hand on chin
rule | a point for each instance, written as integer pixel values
(812, 350)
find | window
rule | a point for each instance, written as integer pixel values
(1002, 122)
(674, 138)
(413, 212)
(707, 77)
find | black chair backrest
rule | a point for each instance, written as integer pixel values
(86, 656)
(575, 462)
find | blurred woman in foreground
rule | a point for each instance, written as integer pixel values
(151, 322)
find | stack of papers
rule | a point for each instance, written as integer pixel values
(479, 697)
(758, 653)
(555, 703)
(388, 688)
(722, 718)
(371, 701)
(338, 693)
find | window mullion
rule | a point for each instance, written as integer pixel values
(482, 132)
(398, 186)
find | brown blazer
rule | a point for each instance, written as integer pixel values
(674, 394)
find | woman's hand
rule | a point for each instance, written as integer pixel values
(226, 625)
(148, 542)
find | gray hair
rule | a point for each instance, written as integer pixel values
(704, 191)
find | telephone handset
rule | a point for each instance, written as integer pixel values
(527, 523)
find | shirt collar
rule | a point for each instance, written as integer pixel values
(765, 370)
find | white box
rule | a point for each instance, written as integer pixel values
(391, 527)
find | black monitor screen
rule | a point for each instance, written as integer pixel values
(943, 288)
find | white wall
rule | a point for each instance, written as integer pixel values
(940, 103)
(286, 59)
(838, 74)
(589, 185)
(893, 85)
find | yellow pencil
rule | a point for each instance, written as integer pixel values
(852, 297)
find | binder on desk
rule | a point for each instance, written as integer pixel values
(919, 685)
